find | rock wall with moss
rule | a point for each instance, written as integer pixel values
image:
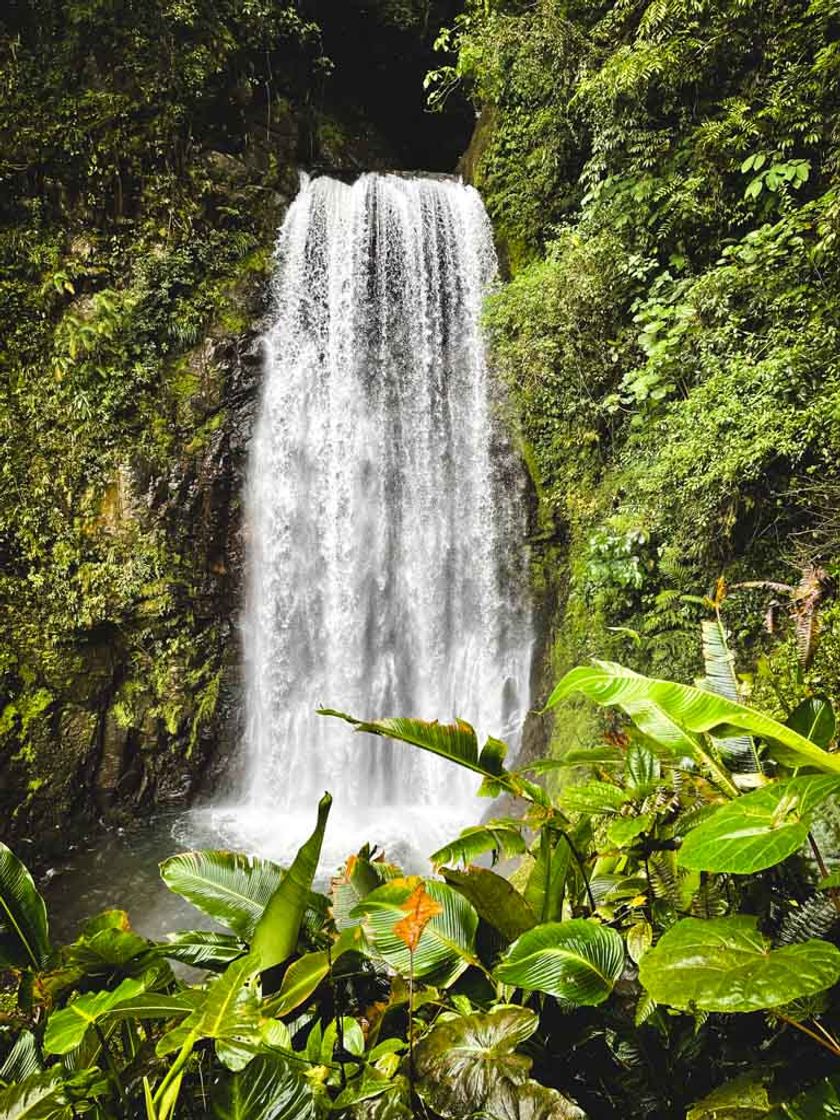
(662, 178)
(148, 150)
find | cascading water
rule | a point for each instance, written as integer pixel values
(386, 519)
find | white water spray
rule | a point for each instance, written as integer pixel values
(386, 520)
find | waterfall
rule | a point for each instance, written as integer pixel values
(385, 518)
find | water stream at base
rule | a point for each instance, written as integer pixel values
(386, 521)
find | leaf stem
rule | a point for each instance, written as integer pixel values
(831, 1046)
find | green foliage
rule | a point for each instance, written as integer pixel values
(659, 898)
(663, 177)
(578, 961)
(724, 964)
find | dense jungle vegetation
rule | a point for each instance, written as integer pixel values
(662, 179)
(662, 948)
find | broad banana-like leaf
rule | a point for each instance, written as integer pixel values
(153, 1005)
(725, 964)
(203, 948)
(276, 935)
(676, 714)
(469, 1066)
(814, 718)
(304, 975)
(546, 886)
(455, 741)
(504, 840)
(739, 750)
(269, 1088)
(228, 1010)
(578, 961)
(24, 932)
(447, 943)
(66, 1028)
(496, 900)
(758, 829)
(229, 887)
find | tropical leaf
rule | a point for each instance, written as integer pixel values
(463, 1064)
(820, 1102)
(269, 1088)
(496, 900)
(454, 741)
(468, 1066)
(66, 1028)
(24, 932)
(745, 1098)
(725, 964)
(578, 961)
(276, 935)
(502, 839)
(40, 1097)
(447, 944)
(23, 1060)
(231, 888)
(301, 979)
(203, 948)
(592, 797)
(758, 829)
(815, 720)
(419, 909)
(624, 829)
(546, 886)
(675, 714)
(227, 1011)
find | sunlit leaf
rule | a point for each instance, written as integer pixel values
(578, 961)
(276, 933)
(675, 714)
(759, 829)
(447, 943)
(725, 964)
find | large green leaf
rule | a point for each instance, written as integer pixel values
(502, 839)
(592, 797)
(269, 1088)
(228, 1010)
(578, 961)
(455, 741)
(24, 933)
(40, 1097)
(233, 889)
(745, 1098)
(739, 750)
(546, 886)
(66, 1028)
(202, 948)
(675, 714)
(276, 935)
(814, 718)
(495, 900)
(758, 829)
(447, 944)
(725, 964)
(468, 1066)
